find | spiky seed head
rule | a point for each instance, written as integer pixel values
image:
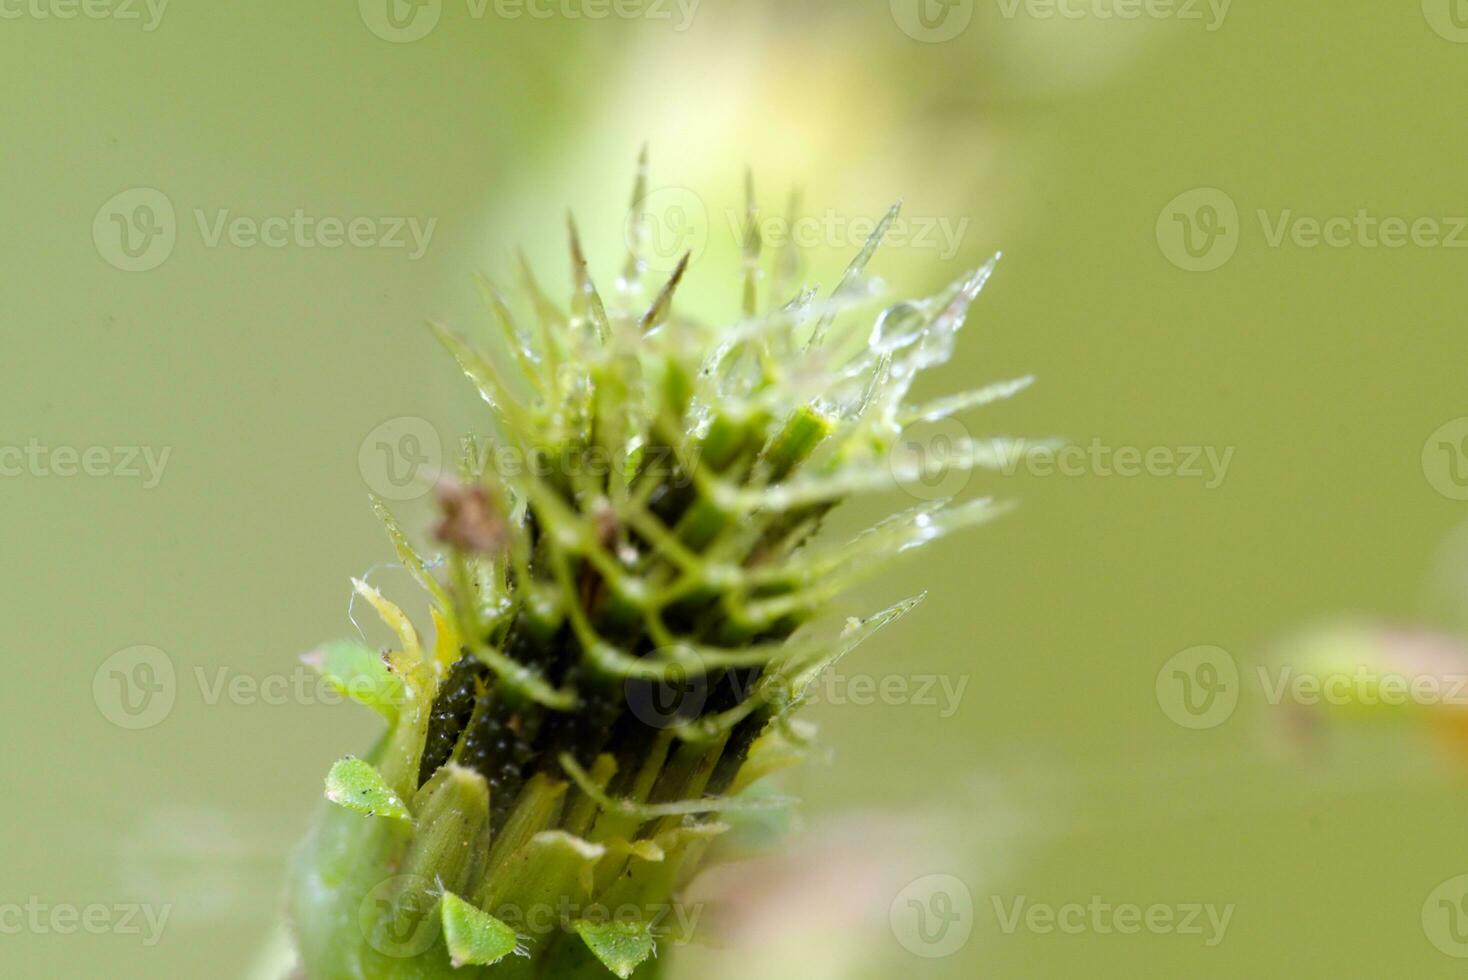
(634, 607)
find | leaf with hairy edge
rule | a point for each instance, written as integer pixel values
(621, 946)
(474, 937)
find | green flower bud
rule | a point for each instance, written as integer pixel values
(628, 619)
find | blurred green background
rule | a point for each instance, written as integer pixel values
(1060, 135)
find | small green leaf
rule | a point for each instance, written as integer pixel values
(474, 937)
(360, 674)
(621, 946)
(358, 786)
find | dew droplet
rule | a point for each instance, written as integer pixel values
(898, 327)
